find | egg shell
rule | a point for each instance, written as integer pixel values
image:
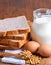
(32, 46)
(44, 50)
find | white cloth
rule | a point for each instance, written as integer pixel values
(14, 51)
(13, 59)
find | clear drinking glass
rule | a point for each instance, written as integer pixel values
(38, 13)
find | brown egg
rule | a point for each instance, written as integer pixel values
(44, 50)
(32, 46)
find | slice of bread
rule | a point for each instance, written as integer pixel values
(15, 37)
(12, 26)
(3, 47)
(12, 43)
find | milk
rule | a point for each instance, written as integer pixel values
(41, 30)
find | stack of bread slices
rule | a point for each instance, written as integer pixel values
(13, 32)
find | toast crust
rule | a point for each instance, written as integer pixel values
(12, 43)
(14, 37)
(14, 32)
(2, 47)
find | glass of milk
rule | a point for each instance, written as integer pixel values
(41, 27)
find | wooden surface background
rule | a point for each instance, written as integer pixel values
(12, 8)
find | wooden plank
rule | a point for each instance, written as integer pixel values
(12, 8)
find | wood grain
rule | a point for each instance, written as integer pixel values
(13, 8)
